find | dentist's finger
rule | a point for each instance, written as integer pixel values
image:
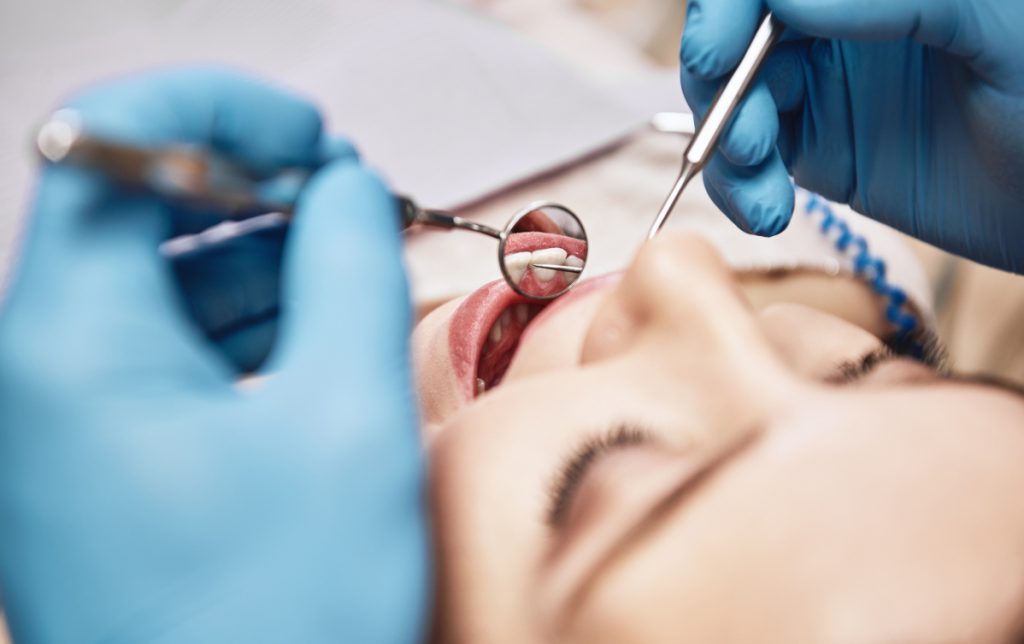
(751, 133)
(758, 199)
(93, 296)
(944, 24)
(716, 35)
(345, 315)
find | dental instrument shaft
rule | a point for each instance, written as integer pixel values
(189, 175)
(199, 177)
(559, 267)
(411, 214)
(705, 140)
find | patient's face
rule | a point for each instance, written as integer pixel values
(661, 463)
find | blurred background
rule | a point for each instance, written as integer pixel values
(479, 105)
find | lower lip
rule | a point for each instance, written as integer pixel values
(469, 328)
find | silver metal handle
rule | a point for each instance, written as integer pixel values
(702, 146)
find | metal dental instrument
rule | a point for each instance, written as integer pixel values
(704, 141)
(198, 178)
(559, 267)
(552, 226)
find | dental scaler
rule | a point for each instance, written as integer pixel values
(706, 137)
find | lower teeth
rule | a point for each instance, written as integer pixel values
(481, 386)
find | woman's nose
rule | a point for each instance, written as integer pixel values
(679, 294)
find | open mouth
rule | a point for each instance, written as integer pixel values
(527, 253)
(501, 343)
(485, 331)
(486, 328)
(484, 335)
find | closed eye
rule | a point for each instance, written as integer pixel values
(851, 371)
(927, 350)
(574, 470)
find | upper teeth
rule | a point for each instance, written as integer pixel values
(517, 263)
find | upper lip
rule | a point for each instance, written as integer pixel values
(529, 241)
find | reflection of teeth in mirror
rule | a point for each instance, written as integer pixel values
(516, 265)
(574, 261)
(547, 256)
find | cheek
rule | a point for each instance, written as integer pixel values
(439, 394)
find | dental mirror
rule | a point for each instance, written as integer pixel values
(543, 251)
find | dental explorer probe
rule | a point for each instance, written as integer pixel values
(705, 140)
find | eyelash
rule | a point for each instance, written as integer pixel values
(573, 471)
(853, 370)
(571, 474)
(931, 355)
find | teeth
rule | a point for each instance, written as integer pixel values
(481, 386)
(516, 264)
(547, 256)
(521, 313)
(495, 335)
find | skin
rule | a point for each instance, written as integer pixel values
(768, 506)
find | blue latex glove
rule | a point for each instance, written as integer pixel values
(911, 111)
(232, 290)
(144, 497)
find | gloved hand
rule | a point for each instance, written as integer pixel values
(911, 111)
(144, 495)
(231, 290)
